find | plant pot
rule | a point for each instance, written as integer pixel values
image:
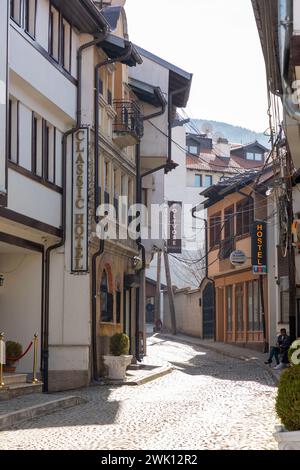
(117, 366)
(287, 440)
(9, 369)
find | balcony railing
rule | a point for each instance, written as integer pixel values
(227, 246)
(128, 126)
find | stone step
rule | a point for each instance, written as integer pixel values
(16, 390)
(12, 418)
(15, 379)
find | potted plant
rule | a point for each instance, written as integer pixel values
(288, 403)
(13, 350)
(119, 358)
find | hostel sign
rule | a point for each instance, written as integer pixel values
(80, 201)
(259, 248)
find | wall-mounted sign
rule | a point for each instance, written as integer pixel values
(80, 201)
(238, 258)
(259, 248)
(174, 243)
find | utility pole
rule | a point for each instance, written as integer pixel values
(170, 293)
(157, 293)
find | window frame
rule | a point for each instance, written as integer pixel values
(198, 176)
(26, 8)
(211, 181)
(215, 226)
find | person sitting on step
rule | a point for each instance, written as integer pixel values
(281, 349)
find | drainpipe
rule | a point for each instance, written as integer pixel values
(47, 254)
(285, 32)
(100, 250)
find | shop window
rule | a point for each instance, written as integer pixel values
(229, 308)
(106, 301)
(239, 306)
(254, 306)
(118, 306)
(284, 307)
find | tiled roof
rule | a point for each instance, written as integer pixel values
(212, 162)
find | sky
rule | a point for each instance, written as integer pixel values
(218, 42)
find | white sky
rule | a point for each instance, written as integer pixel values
(217, 41)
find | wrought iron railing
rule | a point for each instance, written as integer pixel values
(129, 118)
(227, 246)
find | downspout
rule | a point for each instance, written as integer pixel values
(100, 250)
(47, 255)
(285, 32)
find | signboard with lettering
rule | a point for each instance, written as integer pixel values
(174, 243)
(80, 201)
(259, 247)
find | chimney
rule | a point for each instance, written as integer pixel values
(223, 147)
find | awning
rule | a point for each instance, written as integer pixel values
(114, 47)
(147, 93)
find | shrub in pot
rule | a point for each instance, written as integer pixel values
(288, 403)
(119, 359)
(12, 350)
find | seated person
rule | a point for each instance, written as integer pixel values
(282, 347)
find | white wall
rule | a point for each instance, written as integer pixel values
(296, 16)
(3, 69)
(45, 78)
(20, 301)
(30, 198)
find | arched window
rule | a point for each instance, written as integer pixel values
(106, 301)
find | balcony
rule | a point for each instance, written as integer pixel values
(128, 127)
(227, 246)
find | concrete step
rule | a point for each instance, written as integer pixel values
(14, 417)
(16, 390)
(15, 379)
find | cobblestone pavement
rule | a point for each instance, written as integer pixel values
(208, 402)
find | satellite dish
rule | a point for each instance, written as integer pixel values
(207, 128)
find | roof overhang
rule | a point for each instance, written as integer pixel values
(179, 80)
(266, 16)
(147, 93)
(114, 47)
(82, 14)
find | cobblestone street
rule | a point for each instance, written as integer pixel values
(208, 402)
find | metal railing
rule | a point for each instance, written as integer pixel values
(129, 118)
(227, 246)
(4, 359)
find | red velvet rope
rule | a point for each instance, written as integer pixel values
(15, 359)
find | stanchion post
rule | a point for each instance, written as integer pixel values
(2, 359)
(35, 358)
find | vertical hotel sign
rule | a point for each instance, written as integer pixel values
(259, 248)
(80, 201)
(174, 243)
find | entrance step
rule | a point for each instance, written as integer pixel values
(22, 409)
(19, 389)
(15, 379)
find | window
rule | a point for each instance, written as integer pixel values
(244, 217)
(250, 156)
(66, 45)
(215, 230)
(13, 131)
(198, 181)
(208, 181)
(258, 157)
(16, 10)
(49, 150)
(106, 182)
(227, 245)
(254, 306)
(54, 33)
(30, 17)
(106, 301)
(239, 307)
(34, 143)
(193, 149)
(229, 307)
